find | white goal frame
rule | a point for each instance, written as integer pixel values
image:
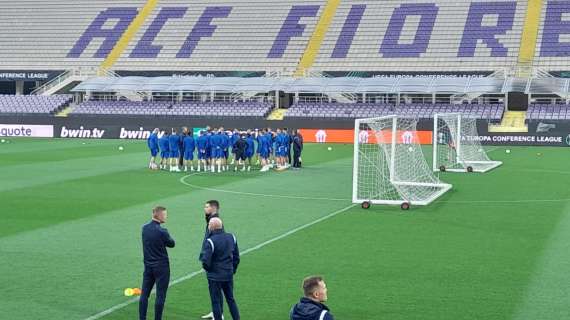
(469, 154)
(398, 195)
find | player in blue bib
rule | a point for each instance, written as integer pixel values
(164, 150)
(216, 142)
(152, 143)
(202, 146)
(250, 150)
(173, 144)
(189, 147)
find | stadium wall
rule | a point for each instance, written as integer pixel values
(541, 132)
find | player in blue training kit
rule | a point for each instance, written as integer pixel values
(216, 150)
(234, 137)
(271, 141)
(202, 146)
(189, 147)
(164, 150)
(209, 158)
(225, 149)
(173, 143)
(281, 143)
(264, 150)
(152, 143)
(250, 150)
(258, 136)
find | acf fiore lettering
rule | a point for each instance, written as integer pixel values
(111, 23)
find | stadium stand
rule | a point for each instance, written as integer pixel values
(253, 35)
(548, 112)
(33, 104)
(159, 108)
(491, 112)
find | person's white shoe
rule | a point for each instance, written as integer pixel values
(192, 169)
(208, 316)
(185, 169)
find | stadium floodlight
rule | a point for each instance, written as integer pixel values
(389, 165)
(456, 145)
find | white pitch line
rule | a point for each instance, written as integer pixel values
(182, 180)
(249, 250)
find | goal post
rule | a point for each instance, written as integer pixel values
(389, 165)
(456, 147)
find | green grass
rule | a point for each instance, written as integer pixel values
(495, 247)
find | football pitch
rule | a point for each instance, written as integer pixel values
(497, 246)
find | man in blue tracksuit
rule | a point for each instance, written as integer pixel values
(250, 150)
(152, 143)
(174, 145)
(189, 144)
(155, 240)
(164, 150)
(220, 258)
(202, 148)
(311, 306)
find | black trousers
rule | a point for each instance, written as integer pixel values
(216, 289)
(296, 156)
(161, 276)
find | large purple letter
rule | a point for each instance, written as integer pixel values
(474, 29)
(291, 28)
(390, 47)
(95, 30)
(554, 26)
(348, 31)
(202, 28)
(145, 48)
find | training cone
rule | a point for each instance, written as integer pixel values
(128, 292)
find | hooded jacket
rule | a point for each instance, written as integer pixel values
(308, 309)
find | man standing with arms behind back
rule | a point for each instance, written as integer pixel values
(211, 208)
(155, 240)
(220, 258)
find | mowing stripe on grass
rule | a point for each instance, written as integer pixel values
(249, 250)
(183, 181)
(548, 291)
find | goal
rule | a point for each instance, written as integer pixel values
(456, 147)
(389, 165)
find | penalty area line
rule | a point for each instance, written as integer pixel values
(249, 250)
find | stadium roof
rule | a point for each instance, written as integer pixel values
(432, 84)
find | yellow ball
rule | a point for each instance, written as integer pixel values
(128, 292)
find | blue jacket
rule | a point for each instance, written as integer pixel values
(164, 144)
(220, 256)
(189, 144)
(202, 142)
(155, 239)
(174, 142)
(152, 141)
(308, 309)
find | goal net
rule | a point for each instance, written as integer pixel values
(389, 164)
(456, 146)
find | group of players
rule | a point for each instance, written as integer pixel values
(217, 149)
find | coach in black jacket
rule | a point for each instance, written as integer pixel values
(220, 259)
(155, 240)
